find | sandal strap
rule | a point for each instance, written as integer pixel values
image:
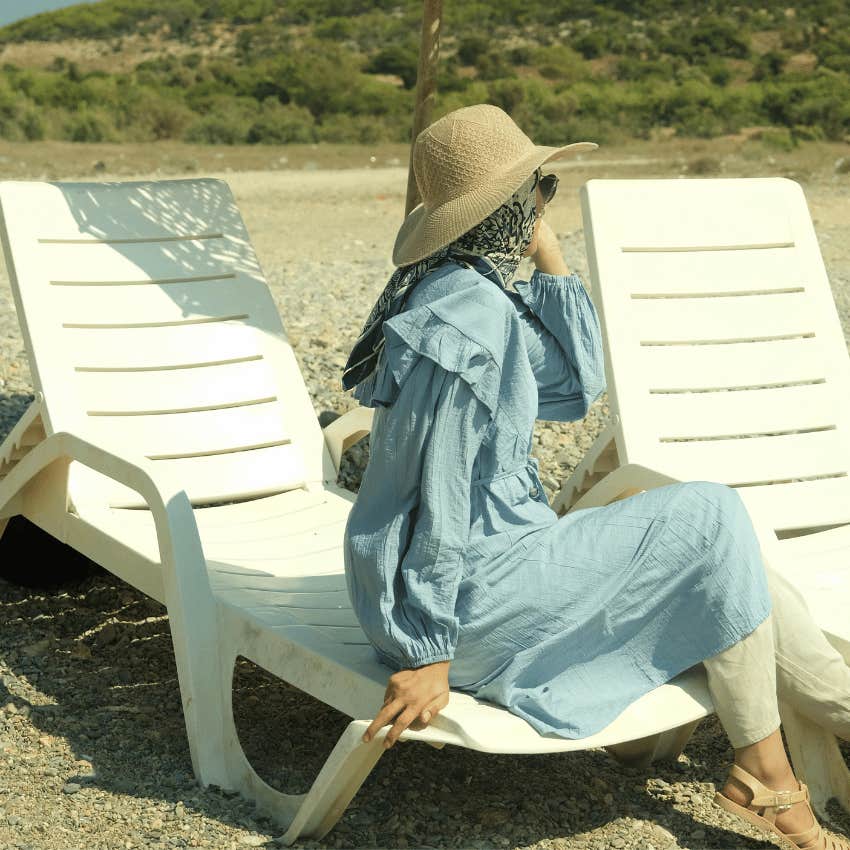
(782, 800)
(769, 797)
(806, 836)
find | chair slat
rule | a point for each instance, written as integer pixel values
(800, 504)
(215, 478)
(719, 213)
(679, 272)
(129, 212)
(755, 459)
(694, 367)
(177, 389)
(176, 347)
(178, 303)
(721, 319)
(714, 414)
(99, 268)
(162, 437)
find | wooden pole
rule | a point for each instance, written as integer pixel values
(426, 86)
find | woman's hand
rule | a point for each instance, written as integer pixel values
(548, 257)
(414, 695)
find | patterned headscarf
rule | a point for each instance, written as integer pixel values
(501, 237)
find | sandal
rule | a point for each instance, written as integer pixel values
(765, 798)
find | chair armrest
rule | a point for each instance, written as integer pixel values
(346, 431)
(193, 611)
(622, 482)
(174, 518)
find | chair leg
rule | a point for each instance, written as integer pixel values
(340, 778)
(817, 760)
(663, 746)
(309, 815)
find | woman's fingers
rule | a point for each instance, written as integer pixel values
(401, 723)
(410, 700)
(430, 711)
(384, 716)
(409, 716)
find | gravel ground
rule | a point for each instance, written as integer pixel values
(93, 751)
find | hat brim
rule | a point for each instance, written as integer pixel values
(425, 231)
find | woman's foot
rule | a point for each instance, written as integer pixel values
(792, 816)
(796, 819)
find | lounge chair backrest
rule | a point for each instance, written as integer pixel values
(725, 353)
(150, 329)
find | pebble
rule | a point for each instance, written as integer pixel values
(662, 836)
(71, 787)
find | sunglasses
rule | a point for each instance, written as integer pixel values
(548, 184)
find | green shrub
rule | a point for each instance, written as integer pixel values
(559, 63)
(769, 65)
(591, 44)
(709, 36)
(396, 59)
(217, 130)
(90, 125)
(779, 139)
(633, 69)
(335, 29)
(523, 55)
(359, 129)
(162, 118)
(32, 125)
(281, 124)
(529, 101)
(718, 72)
(227, 122)
(474, 91)
(807, 134)
(471, 49)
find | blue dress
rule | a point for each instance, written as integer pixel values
(452, 551)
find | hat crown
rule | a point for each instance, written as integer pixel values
(464, 149)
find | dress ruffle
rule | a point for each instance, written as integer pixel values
(463, 332)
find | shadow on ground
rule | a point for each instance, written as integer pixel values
(91, 662)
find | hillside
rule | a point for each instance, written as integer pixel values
(253, 71)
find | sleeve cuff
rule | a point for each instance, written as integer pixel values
(537, 276)
(409, 661)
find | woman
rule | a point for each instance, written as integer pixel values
(459, 571)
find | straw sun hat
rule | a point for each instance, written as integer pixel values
(467, 164)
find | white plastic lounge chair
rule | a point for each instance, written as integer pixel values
(172, 440)
(726, 361)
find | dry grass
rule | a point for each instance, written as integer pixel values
(731, 156)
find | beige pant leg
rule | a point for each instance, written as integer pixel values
(811, 673)
(787, 657)
(742, 684)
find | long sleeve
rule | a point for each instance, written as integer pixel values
(405, 569)
(564, 343)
